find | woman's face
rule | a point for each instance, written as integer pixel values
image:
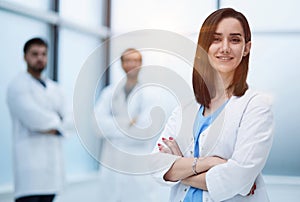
(228, 47)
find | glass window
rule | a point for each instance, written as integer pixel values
(274, 69)
(178, 16)
(87, 13)
(36, 4)
(268, 14)
(74, 49)
(175, 16)
(12, 41)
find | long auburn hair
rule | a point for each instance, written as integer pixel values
(203, 73)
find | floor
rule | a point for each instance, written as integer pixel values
(279, 188)
(103, 188)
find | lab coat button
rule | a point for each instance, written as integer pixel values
(191, 152)
(185, 189)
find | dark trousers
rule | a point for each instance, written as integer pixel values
(36, 198)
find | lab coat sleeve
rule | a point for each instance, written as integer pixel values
(104, 117)
(24, 107)
(66, 113)
(170, 130)
(253, 144)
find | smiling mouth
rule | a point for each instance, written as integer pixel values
(224, 58)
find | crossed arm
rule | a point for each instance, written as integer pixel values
(182, 167)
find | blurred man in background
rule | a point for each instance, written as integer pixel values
(37, 110)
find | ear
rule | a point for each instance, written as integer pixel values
(247, 48)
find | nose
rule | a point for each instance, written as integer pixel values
(41, 57)
(225, 48)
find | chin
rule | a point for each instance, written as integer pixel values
(39, 70)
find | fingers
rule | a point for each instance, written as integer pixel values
(164, 149)
(252, 190)
(172, 145)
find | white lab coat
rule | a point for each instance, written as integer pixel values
(243, 134)
(114, 112)
(111, 109)
(38, 165)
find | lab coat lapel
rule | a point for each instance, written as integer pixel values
(230, 116)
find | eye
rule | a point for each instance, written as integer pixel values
(34, 53)
(235, 40)
(217, 39)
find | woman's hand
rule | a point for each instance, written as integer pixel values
(170, 147)
(252, 189)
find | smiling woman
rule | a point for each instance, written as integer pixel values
(233, 129)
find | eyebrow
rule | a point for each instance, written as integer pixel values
(231, 34)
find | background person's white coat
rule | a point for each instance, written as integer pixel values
(38, 158)
(112, 109)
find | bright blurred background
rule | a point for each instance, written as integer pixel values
(74, 28)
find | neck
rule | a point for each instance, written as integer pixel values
(221, 94)
(130, 83)
(218, 100)
(221, 85)
(227, 79)
(35, 74)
